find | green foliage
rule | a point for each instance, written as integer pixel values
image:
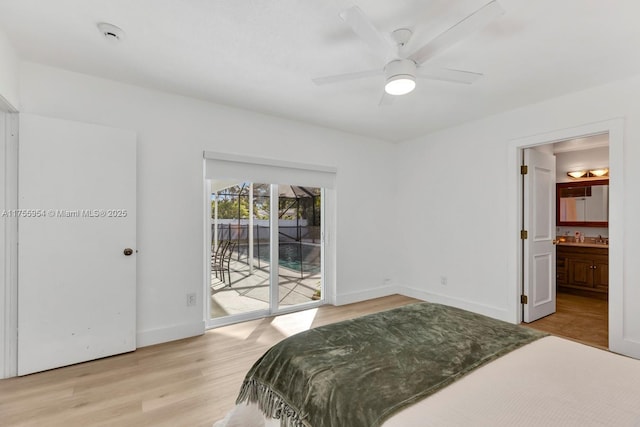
(228, 208)
(233, 203)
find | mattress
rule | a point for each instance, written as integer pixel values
(550, 382)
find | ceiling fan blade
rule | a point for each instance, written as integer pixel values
(364, 28)
(345, 77)
(386, 100)
(459, 31)
(448, 75)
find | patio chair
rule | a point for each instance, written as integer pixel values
(216, 256)
(224, 263)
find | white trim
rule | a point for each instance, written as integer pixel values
(323, 246)
(206, 246)
(330, 254)
(297, 307)
(9, 243)
(274, 249)
(615, 128)
(237, 158)
(4, 258)
(6, 106)
(619, 342)
(249, 229)
(487, 310)
(237, 318)
(351, 297)
(171, 333)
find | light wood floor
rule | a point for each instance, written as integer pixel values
(579, 318)
(190, 383)
(194, 382)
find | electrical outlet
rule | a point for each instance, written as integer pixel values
(443, 280)
(191, 300)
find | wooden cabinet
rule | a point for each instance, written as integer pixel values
(585, 268)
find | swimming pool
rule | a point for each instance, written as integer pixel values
(292, 255)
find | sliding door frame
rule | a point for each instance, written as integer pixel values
(326, 229)
(274, 249)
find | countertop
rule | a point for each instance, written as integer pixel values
(584, 244)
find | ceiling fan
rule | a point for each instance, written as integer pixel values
(401, 71)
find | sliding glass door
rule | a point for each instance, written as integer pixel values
(266, 249)
(299, 244)
(240, 272)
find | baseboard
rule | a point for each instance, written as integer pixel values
(352, 297)
(172, 333)
(486, 310)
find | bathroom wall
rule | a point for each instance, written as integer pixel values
(586, 231)
(593, 158)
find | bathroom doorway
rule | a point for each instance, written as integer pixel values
(581, 240)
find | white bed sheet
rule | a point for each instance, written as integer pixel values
(550, 382)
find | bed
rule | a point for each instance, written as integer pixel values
(432, 365)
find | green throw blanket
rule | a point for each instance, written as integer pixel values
(359, 372)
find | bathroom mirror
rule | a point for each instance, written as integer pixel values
(583, 203)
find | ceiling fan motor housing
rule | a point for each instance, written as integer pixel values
(400, 67)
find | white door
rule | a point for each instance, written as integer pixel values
(76, 286)
(539, 221)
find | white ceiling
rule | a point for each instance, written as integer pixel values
(262, 55)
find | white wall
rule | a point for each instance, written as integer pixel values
(585, 231)
(173, 132)
(466, 179)
(8, 72)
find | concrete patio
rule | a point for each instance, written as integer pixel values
(250, 292)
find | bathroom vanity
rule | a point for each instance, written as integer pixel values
(583, 266)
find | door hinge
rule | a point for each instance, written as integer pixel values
(524, 234)
(524, 299)
(524, 169)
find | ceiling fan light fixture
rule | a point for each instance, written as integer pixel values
(401, 77)
(400, 85)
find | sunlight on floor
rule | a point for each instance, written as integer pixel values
(284, 325)
(241, 331)
(293, 323)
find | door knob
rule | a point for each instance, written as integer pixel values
(128, 251)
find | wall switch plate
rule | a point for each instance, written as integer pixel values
(443, 280)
